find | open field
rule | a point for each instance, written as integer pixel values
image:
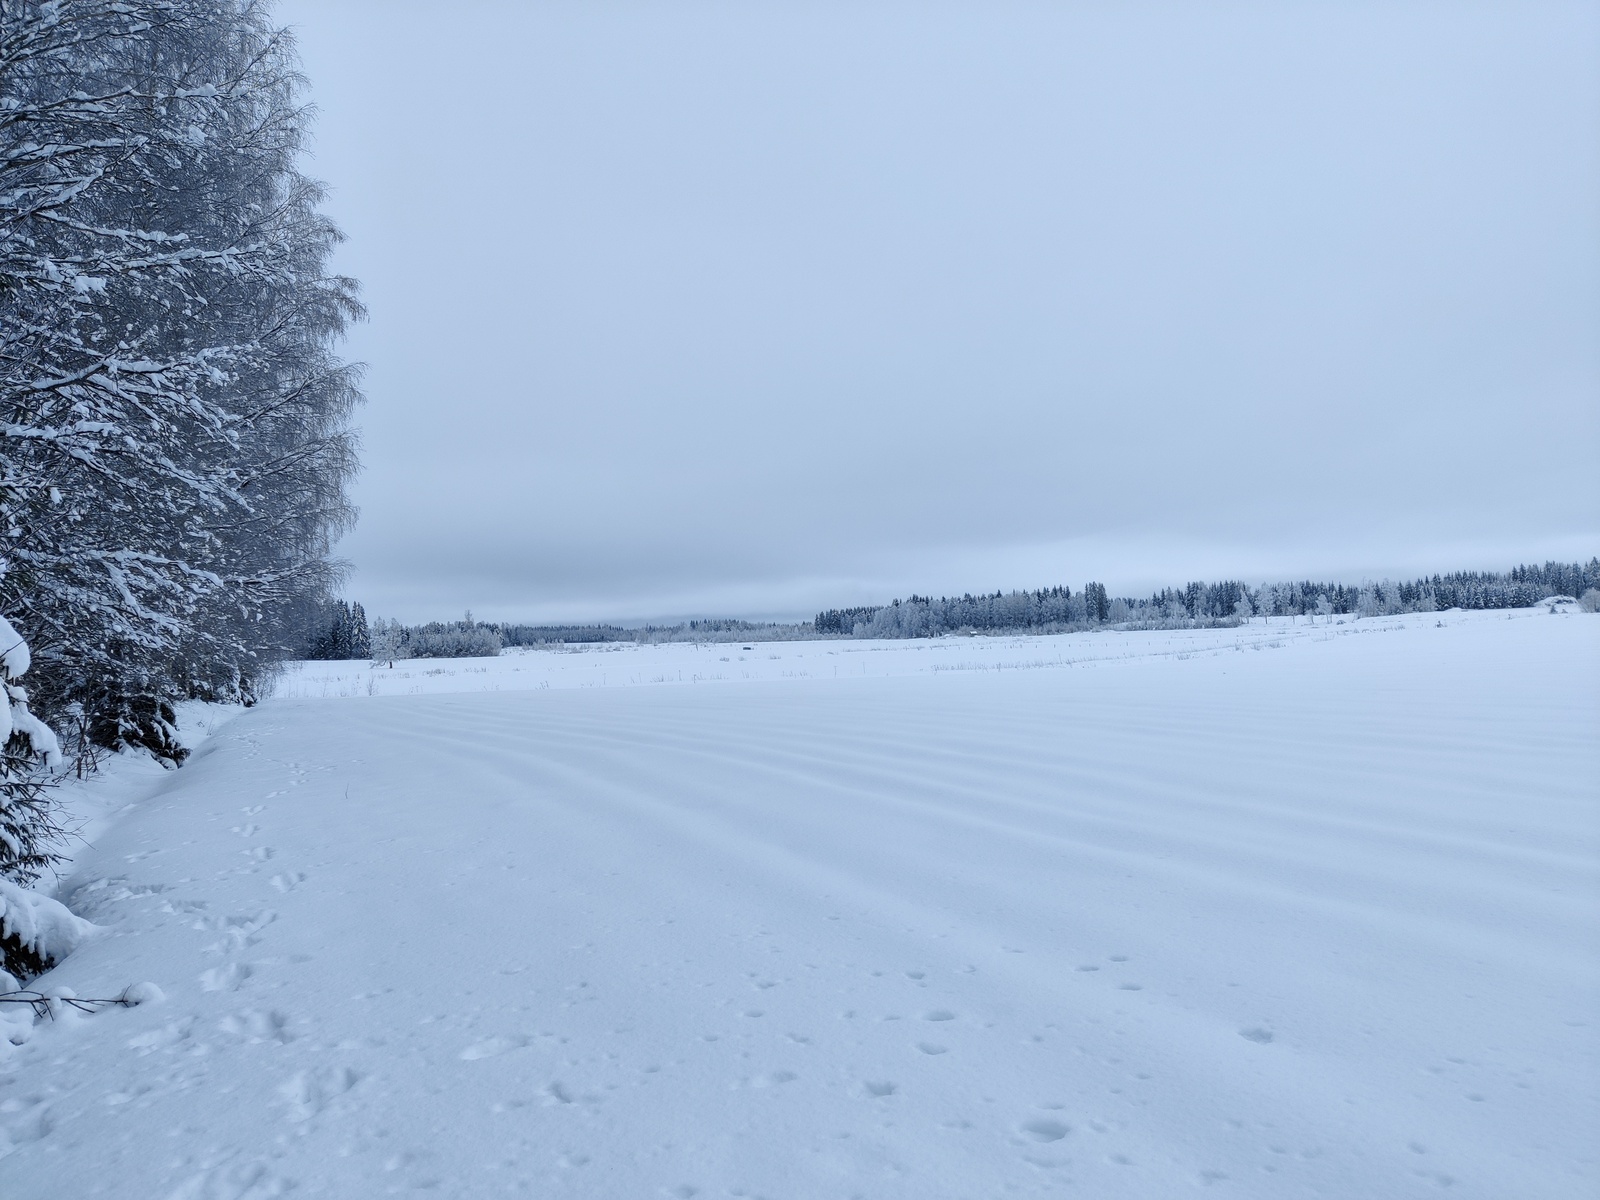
(1276, 912)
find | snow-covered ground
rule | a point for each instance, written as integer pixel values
(1270, 912)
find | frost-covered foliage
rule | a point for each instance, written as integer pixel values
(1199, 604)
(34, 930)
(29, 834)
(843, 621)
(1590, 600)
(174, 420)
(1520, 587)
(437, 639)
(340, 632)
(1048, 610)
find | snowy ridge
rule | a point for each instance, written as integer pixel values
(1147, 917)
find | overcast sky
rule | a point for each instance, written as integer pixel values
(748, 309)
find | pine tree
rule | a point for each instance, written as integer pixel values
(360, 635)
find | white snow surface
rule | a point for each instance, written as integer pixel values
(1284, 911)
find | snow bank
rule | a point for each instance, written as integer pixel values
(44, 928)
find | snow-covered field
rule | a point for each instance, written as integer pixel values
(1276, 912)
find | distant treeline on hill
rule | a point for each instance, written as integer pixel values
(1196, 604)
(344, 632)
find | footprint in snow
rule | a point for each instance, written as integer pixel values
(773, 1079)
(225, 979)
(878, 1089)
(171, 1034)
(309, 1092)
(251, 1179)
(1261, 1036)
(1044, 1130)
(939, 1014)
(490, 1047)
(252, 1026)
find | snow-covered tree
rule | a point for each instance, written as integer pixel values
(174, 445)
(29, 834)
(34, 929)
(1097, 605)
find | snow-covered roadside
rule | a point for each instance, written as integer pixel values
(1313, 919)
(90, 805)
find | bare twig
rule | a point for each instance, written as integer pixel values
(44, 1005)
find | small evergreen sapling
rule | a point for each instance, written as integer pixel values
(28, 829)
(35, 930)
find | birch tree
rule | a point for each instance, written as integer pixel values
(175, 418)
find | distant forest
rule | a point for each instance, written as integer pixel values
(343, 631)
(1057, 609)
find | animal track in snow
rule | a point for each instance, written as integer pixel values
(939, 1014)
(33, 1124)
(170, 1034)
(225, 979)
(879, 1088)
(289, 880)
(309, 1092)
(1044, 1130)
(233, 1181)
(932, 1048)
(1262, 1036)
(491, 1047)
(252, 1026)
(772, 1079)
(240, 931)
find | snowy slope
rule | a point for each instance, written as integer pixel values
(1127, 915)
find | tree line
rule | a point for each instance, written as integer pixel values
(1047, 610)
(468, 638)
(1058, 609)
